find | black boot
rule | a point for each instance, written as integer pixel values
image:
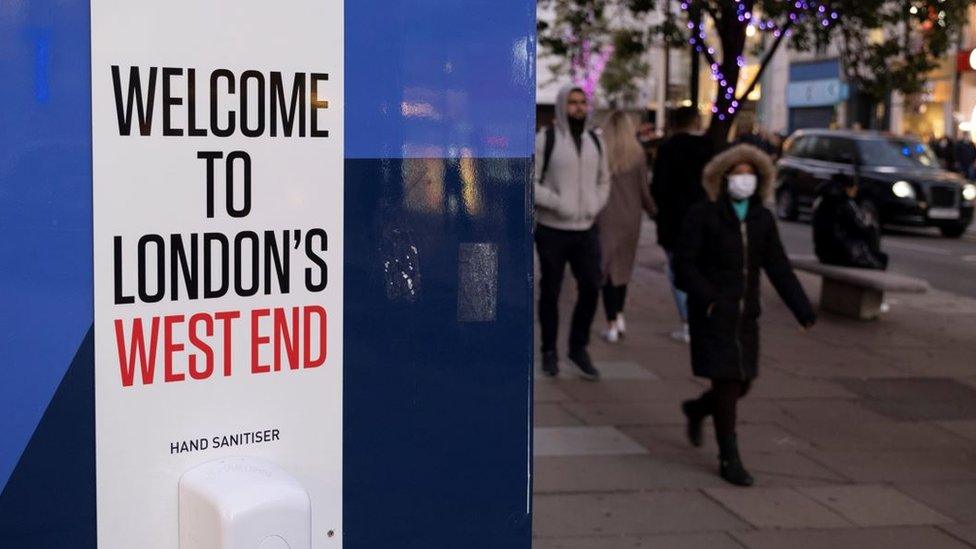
(550, 363)
(695, 420)
(731, 468)
(582, 360)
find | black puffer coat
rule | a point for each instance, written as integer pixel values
(841, 235)
(717, 263)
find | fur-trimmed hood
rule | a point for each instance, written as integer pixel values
(713, 178)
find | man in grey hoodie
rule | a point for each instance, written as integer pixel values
(572, 184)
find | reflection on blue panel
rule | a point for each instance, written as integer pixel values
(436, 406)
(440, 78)
(45, 208)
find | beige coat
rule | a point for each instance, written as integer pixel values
(620, 223)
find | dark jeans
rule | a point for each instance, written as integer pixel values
(720, 403)
(613, 300)
(581, 249)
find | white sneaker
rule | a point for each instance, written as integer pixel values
(621, 325)
(683, 335)
(884, 308)
(611, 335)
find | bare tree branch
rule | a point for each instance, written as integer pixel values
(765, 61)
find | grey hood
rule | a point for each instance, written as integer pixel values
(562, 119)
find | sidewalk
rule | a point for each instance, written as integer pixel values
(860, 435)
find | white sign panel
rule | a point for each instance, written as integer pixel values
(816, 93)
(218, 194)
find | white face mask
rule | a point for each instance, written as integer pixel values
(742, 186)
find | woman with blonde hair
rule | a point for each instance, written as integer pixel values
(620, 222)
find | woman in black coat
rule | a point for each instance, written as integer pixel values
(724, 244)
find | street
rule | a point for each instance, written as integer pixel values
(947, 264)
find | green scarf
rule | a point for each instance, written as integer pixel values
(741, 208)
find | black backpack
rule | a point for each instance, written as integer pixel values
(551, 144)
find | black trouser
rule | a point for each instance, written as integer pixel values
(613, 300)
(581, 249)
(720, 403)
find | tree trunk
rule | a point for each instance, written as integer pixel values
(732, 35)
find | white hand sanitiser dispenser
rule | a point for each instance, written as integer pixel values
(243, 503)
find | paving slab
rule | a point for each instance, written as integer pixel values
(917, 398)
(954, 499)
(609, 369)
(583, 441)
(665, 413)
(636, 412)
(786, 469)
(546, 391)
(853, 363)
(872, 505)
(667, 541)
(777, 508)
(615, 390)
(859, 538)
(962, 532)
(932, 360)
(964, 428)
(875, 435)
(570, 515)
(553, 415)
(756, 437)
(828, 411)
(623, 473)
(898, 465)
(778, 386)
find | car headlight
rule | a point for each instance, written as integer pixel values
(969, 192)
(903, 189)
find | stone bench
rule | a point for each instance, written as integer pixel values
(856, 293)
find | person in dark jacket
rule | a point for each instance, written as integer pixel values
(965, 155)
(841, 234)
(724, 244)
(676, 187)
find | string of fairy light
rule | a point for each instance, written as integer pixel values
(798, 11)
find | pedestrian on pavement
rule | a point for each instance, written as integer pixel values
(724, 244)
(966, 156)
(649, 139)
(620, 222)
(676, 187)
(572, 184)
(842, 234)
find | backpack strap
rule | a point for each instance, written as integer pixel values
(596, 141)
(547, 155)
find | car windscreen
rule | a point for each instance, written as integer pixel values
(897, 153)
